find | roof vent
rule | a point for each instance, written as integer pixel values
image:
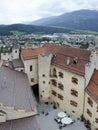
(68, 61)
(75, 60)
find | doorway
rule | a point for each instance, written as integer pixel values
(35, 89)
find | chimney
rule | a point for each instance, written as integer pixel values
(68, 61)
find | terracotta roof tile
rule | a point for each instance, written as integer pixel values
(61, 54)
(64, 52)
(32, 53)
(92, 88)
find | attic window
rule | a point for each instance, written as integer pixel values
(75, 60)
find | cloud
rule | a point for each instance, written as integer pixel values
(17, 11)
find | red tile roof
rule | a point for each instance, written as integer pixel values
(64, 52)
(32, 53)
(92, 88)
(61, 54)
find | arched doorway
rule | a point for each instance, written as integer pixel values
(35, 89)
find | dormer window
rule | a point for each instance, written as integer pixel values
(75, 60)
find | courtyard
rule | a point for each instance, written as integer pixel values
(47, 115)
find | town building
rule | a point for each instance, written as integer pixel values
(65, 76)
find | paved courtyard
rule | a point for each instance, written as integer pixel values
(46, 117)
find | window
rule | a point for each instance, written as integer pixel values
(54, 83)
(41, 96)
(61, 74)
(43, 82)
(58, 104)
(74, 93)
(97, 109)
(54, 72)
(60, 86)
(43, 75)
(30, 67)
(73, 111)
(16, 51)
(60, 96)
(32, 79)
(21, 70)
(90, 102)
(74, 80)
(89, 113)
(54, 93)
(96, 120)
(73, 103)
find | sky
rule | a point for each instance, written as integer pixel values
(21, 11)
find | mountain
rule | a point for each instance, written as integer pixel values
(82, 20)
(27, 29)
(41, 21)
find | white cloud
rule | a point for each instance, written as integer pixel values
(17, 11)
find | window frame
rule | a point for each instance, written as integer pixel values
(74, 92)
(89, 112)
(60, 86)
(31, 68)
(54, 93)
(74, 80)
(60, 96)
(73, 103)
(61, 75)
(90, 102)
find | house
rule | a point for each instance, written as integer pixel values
(91, 101)
(17, 105)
